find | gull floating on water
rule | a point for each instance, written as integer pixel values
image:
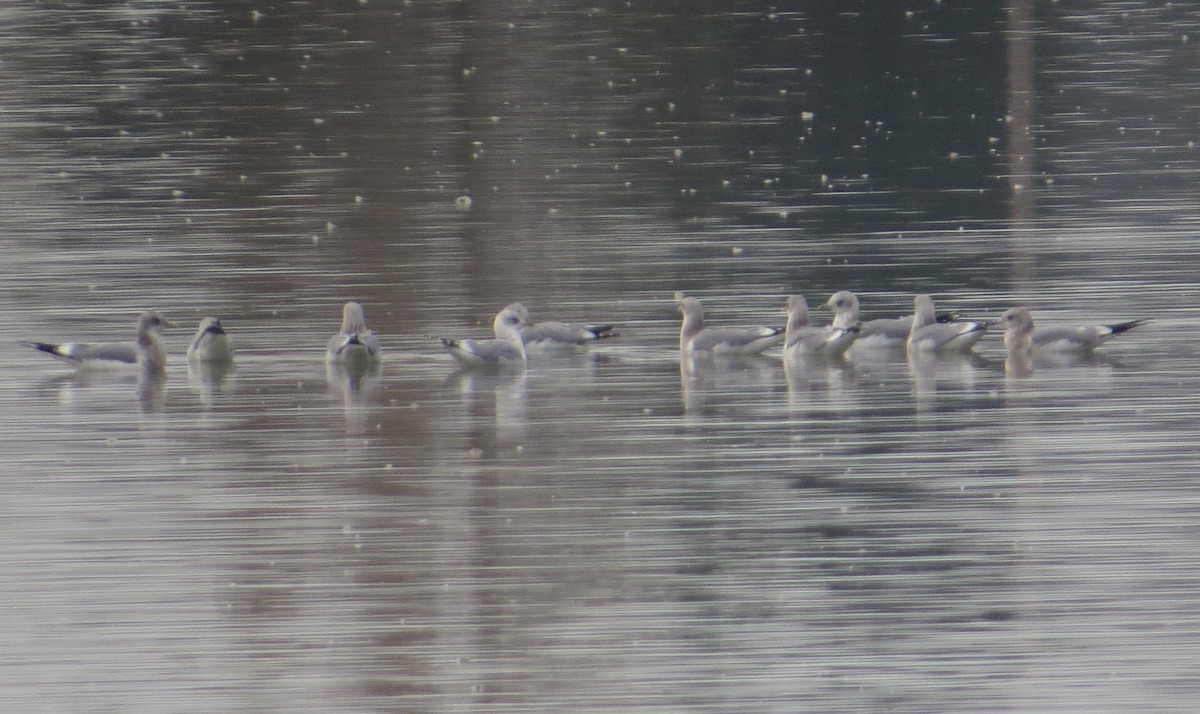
(210, 344)
(355, 344)
(1020, 335)
(147, 351)
(881, 332)
(929, 335)
(695, 338)
(505, 351)
(801, 338)
(558, 334)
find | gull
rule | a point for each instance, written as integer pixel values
(147, 351)
(882, 332)
(210, 344)
(1020, 336)
(505, 351)
(929, 335)
(803, 338)
(355, 343)
(694, 338)
(558, 334)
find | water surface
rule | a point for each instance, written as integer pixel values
(609, 529)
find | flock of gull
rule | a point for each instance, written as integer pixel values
(923, 332)
(355, 345)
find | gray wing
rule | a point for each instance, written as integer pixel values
(887, 329)
(211, 347)
(90, 351)
(952, 335)
(564, 332)
(1065, 337)
(814, 339)
(114, 351)
(370, 340)
(483, 352)
(737, 339)
(341, 344)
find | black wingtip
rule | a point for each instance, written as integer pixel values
(603, 332)
(1126, 326)
(41, 346)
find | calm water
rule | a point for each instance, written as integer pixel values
(605, 531)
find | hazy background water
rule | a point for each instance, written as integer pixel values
(601, 532)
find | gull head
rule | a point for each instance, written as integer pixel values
(843, 301)
(797, 308)
(152, 320)
(353, 319)
(211, 325)
(691, 307)
(520, 311)
(1017, 320)
(510, 319)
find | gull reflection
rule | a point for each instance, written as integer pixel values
(208, 379)
(932, 372)
(829, 381)
(355, 386)
(717, 377)
(108, 386)
(1039, 373)
(498, 405)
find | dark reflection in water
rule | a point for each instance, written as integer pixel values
(609, 528)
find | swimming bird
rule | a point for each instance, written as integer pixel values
(695, 338)
(883, 332)
(146, 351)
(210, 343)
(355, 344)
(559, 334)
(929, 335)
(1020, 335)
(505, 351)
(802, 338)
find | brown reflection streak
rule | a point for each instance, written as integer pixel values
(1020, 90)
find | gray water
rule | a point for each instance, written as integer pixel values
(603, 531)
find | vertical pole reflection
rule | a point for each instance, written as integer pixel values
(1019, 61)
